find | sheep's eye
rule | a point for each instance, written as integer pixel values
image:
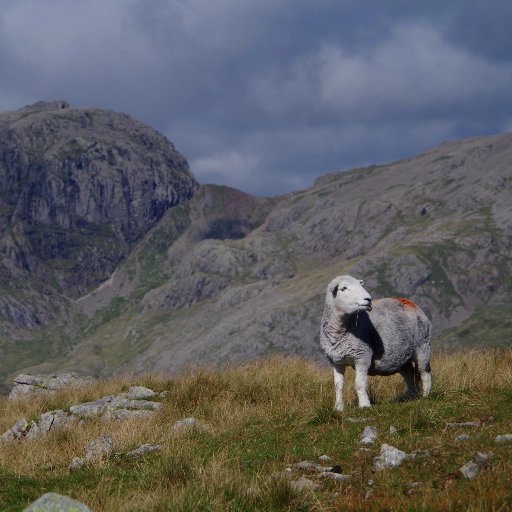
(362, 283)
(343, 289)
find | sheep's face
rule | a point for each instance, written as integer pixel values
(347, 295)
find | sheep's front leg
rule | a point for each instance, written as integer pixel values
(362, 384)
(339, 372)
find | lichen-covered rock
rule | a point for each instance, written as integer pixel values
(389, 457)
(142, 449)
(369, 435)
(53, 502)
(138, 392)
(187, 423)
(463, 424)
(304, 483)
(469, 470)
(503, 438)
(44, 384)
(99, 448)
(17, 431)
(339, 477)
(114, 407)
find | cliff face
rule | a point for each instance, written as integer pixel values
(78, 187)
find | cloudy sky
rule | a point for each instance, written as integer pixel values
(266, 95)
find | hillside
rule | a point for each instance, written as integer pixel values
(224, 276)
(255, 421)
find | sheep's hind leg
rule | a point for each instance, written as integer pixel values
(426, 380)
(362, 384)
(339, 372)
(409, 374)
(422, 359)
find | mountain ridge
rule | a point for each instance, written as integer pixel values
(225, 276)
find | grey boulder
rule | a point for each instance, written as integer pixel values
(389, 457)
(53, 502)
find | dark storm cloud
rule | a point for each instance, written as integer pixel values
(267, 95)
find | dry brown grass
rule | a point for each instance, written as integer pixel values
(259, 418)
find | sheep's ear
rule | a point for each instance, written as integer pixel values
(335, 291)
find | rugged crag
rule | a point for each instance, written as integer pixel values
(78, 188)
(210, 275)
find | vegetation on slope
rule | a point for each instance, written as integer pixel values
(263, 417)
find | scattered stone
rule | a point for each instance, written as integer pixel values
(163, 394)
(469, 424)
(187, 423)
(369, 435)
(389, 457)
(418, 453)
(469, 470)
(138, 392)
(368, 494)
(393, 430)
(303, 483)
(414, 484)
(462, 438)
(17, 431)
(364, 450)
(359, 420)
(126, 414)
(45, 384)
(53, 420)
(370, 482)
(504, 438)
(324, 458)
(105, 407)
(99, 448)
(307, 465)
(53, 502)
(76, 463)
(335, 476)
(482, 458)
(142, 449)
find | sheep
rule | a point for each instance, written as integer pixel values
(380, 337)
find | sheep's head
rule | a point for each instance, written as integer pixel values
(347, 295)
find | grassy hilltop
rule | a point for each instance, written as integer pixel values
(263, 417)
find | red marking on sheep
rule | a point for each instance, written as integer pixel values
(407, 303)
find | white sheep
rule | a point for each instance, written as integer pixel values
(382, 337)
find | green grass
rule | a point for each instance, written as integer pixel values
(263, 417)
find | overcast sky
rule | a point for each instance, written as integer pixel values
(267, 95)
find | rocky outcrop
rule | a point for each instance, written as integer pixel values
(79, 187)
(128, 405)
(45, 384)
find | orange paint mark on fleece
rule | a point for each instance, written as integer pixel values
(406, 302)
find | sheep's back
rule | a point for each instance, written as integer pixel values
(397, 328)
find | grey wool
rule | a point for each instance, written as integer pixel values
(380, 337)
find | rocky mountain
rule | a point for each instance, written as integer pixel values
(78, 188)
(140, 268)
